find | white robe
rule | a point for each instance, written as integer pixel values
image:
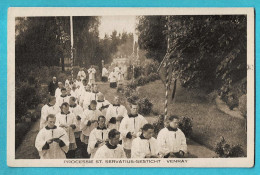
(54, 151)
(91, 73)
(112, 77)
(82, 74)
(106, 153)
(85, 99)
(47, 110)
(103, 106)
(120, 77)
(104, 72)
(61, 100)
(133, 124)
(97, 135)
(77, 111)
(87, 116)
(141, 147)
(67, 120)
(115, 111)
(57, 92)
(78, 83)
(171, 141)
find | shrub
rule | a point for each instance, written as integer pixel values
(133, 98)
(159, 125)
(153, 77)
(142, 81)
(186, 126)
(145, 106)
(150, 67)
(132, 85)
(128, 92)
(223, 149)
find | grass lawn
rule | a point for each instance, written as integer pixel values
(209, 124)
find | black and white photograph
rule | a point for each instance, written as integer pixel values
(131, 87)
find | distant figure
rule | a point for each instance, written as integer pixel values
(104, 74)
(58, 90)
(52, 142)
(112, 79)
(53, 86)
(91, 72)
(82, 74)
(112, 149)
(171, 140)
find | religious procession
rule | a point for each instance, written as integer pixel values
(78, 117)
(158, 87)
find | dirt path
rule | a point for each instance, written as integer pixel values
(27, 150)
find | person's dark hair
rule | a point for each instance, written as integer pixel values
(113, 133)
(147, 126)
(133, 104)
(101, 116)
(50, 116)
(172, 117)
(63, 89)
(50, 98)
(73, 99)
(84, 80)
(93, 102)
(64, 104)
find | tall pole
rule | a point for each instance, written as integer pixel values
(71, 44)
(167, 70)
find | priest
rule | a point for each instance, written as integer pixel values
(171, 140)
(98, 136)
(81, 74)
(53, 86)
(52, 142)
(91, 73)
(102, 104)
(112, 149)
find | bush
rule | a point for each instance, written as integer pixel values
(132, 85)
(153, 77)
(223, 149)
(159, 125)
(150, 67)
(20, 131)
(145, 106)
(186, 126)
(142, 81)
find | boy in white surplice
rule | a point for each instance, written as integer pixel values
(171, 140)
(112, 149)
(130, 128)
(67, 120)
(98, 136)
(145, 146)
(52, 142)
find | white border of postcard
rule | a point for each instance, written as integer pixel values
(186, 162)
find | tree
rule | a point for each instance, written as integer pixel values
(205, 51)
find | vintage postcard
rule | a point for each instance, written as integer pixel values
(131, 87)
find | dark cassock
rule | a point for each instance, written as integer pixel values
(53, 85)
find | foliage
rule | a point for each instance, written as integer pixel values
(186, 126)
(225, 150)
(145, 106)
(152, 36)
(153, 77)
(206, 51)
(159, 125)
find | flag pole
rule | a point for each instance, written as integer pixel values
(71, 44)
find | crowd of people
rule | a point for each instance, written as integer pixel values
(78, 118)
